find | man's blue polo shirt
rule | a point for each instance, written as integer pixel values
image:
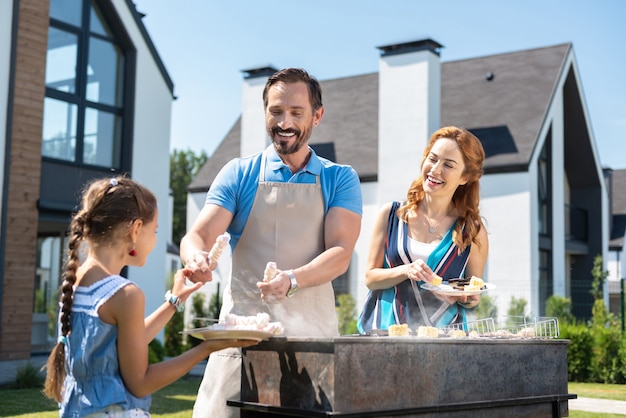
(235, 186)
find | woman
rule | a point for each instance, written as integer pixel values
(437, 230)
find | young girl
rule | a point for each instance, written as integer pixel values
(100, 366)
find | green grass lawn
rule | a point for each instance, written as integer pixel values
(598, 391)
(176, 400)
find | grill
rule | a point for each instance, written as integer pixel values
(493, 375)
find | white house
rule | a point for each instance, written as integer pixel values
(543, 195)
(82, 95)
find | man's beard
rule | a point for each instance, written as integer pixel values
(281, 145)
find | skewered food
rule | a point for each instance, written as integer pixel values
(217, 249)
(270, 271)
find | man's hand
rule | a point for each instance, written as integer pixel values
(275, 290)
(198, 264)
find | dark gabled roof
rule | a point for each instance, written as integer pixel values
(507, 112)
(618, 197)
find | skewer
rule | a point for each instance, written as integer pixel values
(270, 271)
(216, 252)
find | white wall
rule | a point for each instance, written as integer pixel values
(409, 112)
(153, 110)
(253, 136)
(506, 208)
(6, 15)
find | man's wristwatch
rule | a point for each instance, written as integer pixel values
(294, 284)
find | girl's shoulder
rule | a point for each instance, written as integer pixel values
(89, 299)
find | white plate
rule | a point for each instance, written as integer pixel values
(222, 334)
(450, 291)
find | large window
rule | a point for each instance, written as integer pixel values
(83, 110)
(544, 192)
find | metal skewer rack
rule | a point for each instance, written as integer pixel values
(537, 327)
(509, 327)
(481, 327)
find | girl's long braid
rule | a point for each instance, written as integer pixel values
(56, 362)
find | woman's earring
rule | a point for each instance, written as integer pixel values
(132, 252)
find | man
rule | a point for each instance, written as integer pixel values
(285, 205)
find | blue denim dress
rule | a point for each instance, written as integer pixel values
(93, 380)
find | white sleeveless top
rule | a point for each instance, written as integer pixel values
(420, 250)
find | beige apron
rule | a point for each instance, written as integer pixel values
(286, 225)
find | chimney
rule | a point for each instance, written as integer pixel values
(253, 136)
(409, 112)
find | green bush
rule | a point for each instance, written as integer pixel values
(560, 308)
(346, 314)
(156, 351)
(578, 351)
(27, 377)
(173, 344)
(173, 339)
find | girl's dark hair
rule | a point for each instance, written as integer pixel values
(108, 208)
(294, 75)
(467, 196)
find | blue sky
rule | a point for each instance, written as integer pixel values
(205, 44)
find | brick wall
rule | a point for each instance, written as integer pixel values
(23, 179)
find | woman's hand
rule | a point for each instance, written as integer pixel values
(419, 271)
(467, 301)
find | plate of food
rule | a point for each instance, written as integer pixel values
(459, 287)
(208, 333)
(235, 327)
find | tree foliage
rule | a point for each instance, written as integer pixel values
(599, 277)
(184, 165)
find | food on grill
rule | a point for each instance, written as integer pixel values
(457, 333)
(427, 332)
(270, 271)
(436, 280)
(526, 332)
(258, 322)
(473, 334)
(401, 330)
